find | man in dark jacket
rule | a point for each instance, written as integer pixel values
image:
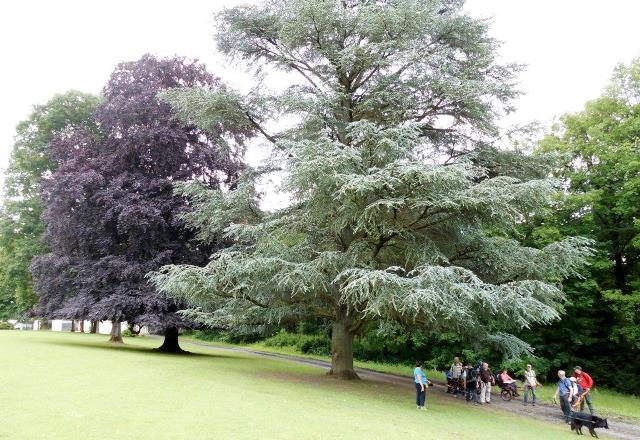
(471, 383)
(486, 380)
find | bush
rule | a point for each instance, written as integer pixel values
(308, 344)
(315, 344)
(5, 326)
(221, 336)
(283, 339)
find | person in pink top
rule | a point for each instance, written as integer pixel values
(508, 381)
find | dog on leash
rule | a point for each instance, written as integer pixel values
(578, 420)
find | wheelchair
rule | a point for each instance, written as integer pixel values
(507, 393)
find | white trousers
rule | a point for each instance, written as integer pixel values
(485, 392)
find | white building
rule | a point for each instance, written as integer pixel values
(64, 325)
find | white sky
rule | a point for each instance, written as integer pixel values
(48, 47)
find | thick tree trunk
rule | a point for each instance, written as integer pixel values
(116, 333)
(82, 326)
(342, 350)
(94, 327)
(170, 344)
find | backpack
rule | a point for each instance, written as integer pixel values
(498, 379)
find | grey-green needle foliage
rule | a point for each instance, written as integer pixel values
(397, 211)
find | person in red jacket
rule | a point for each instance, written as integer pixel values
(586, 382)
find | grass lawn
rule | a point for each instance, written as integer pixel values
(606, 402)
(61, 385)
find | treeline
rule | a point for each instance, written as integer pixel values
(409, 232)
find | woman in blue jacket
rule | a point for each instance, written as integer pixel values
(420, 378)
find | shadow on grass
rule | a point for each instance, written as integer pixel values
(137, 349)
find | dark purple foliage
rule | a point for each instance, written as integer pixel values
(111, 214)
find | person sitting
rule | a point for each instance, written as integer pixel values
(509, 382)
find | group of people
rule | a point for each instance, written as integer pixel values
(475, 384)
(574, 392)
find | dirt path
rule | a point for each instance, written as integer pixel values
(620, 427)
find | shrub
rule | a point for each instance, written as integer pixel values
(5, 326)
(314, 344)
(308, 344)
(282, 339)
(221, 336)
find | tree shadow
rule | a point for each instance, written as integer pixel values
(109, 346)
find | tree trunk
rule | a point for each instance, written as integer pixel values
(116, 333)
(82, 326)
(619, 271)
(170, 344)
(94, 327)
(342, 350)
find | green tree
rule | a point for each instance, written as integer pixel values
(20, 225)
(398, 212)
(600, 166)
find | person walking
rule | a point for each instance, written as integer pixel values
(586, 382)
(565, 393)
(576, 393)
(456, 371)
(486, 380)
(420, 378)
(530, 384)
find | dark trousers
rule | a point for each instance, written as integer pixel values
(587, 399)
(471, 393)
(565, 406)
(456, 385)
(420, 395)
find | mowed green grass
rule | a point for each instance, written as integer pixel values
(61, 385)
(606, 402)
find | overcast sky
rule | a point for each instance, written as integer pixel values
(47, 47)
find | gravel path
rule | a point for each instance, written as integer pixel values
(621, 428)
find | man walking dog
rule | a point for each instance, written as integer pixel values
(565, 392)
(586, 382)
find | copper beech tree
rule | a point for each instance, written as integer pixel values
(110, 212)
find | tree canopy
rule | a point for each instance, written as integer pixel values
(600, 167)
(21, 227)
(111, 215)
(396, 214)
